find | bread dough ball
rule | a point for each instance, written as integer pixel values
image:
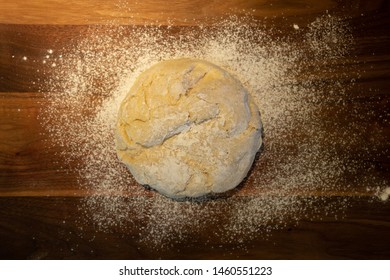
(188, 128)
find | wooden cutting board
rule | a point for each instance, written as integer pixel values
(37, 194)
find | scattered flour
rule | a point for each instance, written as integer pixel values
(298, 162)
(385, 194)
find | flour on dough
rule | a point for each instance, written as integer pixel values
(188, 128)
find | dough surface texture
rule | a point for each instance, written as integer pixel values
(188, 128)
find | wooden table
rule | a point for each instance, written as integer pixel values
(39, 199)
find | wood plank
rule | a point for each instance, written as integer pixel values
(184, 12)
(370, 54)
(31, 164)
(51, 228)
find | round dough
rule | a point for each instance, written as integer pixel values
(188, 128)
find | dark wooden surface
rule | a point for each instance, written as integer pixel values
(37, 195)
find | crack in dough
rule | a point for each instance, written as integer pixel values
(188, 128)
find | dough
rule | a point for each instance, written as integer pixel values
(188, 128)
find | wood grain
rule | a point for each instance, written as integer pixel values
(37, 193)
(52, 230)
(181, 12)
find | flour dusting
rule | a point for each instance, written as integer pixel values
(91, 77)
